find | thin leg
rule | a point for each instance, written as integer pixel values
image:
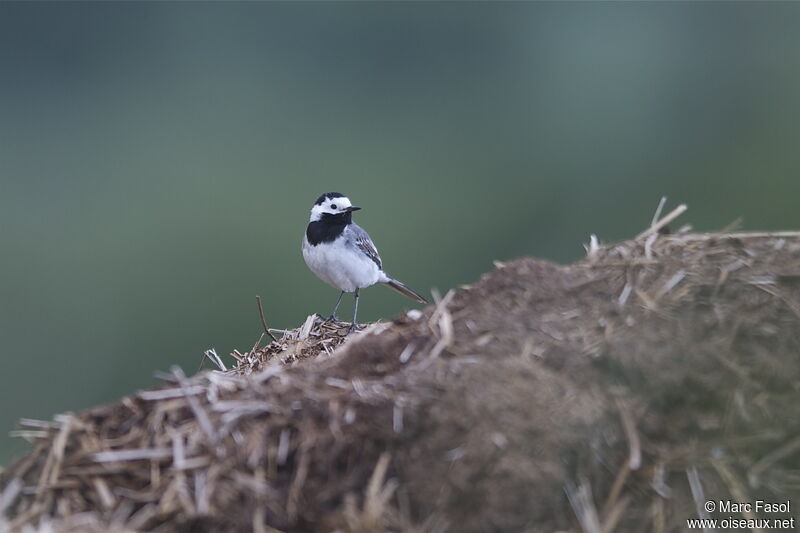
(355, 312)
(333, 318)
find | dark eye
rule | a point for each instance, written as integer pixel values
(333, 206)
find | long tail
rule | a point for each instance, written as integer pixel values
(405, 291)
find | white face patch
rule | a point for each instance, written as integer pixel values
(332, 206)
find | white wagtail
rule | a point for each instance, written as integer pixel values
(341, 253)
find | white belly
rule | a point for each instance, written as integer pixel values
(343, 268)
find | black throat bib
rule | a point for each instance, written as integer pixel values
(327, 228)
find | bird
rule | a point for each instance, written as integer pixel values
(341, 253)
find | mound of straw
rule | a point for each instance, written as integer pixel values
(616, 394)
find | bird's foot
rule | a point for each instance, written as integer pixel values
(325, 320)
(353, 327)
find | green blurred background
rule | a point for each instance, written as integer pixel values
(158, 160)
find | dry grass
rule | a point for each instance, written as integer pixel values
(609, 395)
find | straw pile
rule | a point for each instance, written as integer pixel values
(616, 394)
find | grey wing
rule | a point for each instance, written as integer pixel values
(364, 243)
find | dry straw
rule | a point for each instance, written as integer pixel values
(614, 394)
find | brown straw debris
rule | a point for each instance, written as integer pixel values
(615, 394)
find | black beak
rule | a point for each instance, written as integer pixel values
(352, 208)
